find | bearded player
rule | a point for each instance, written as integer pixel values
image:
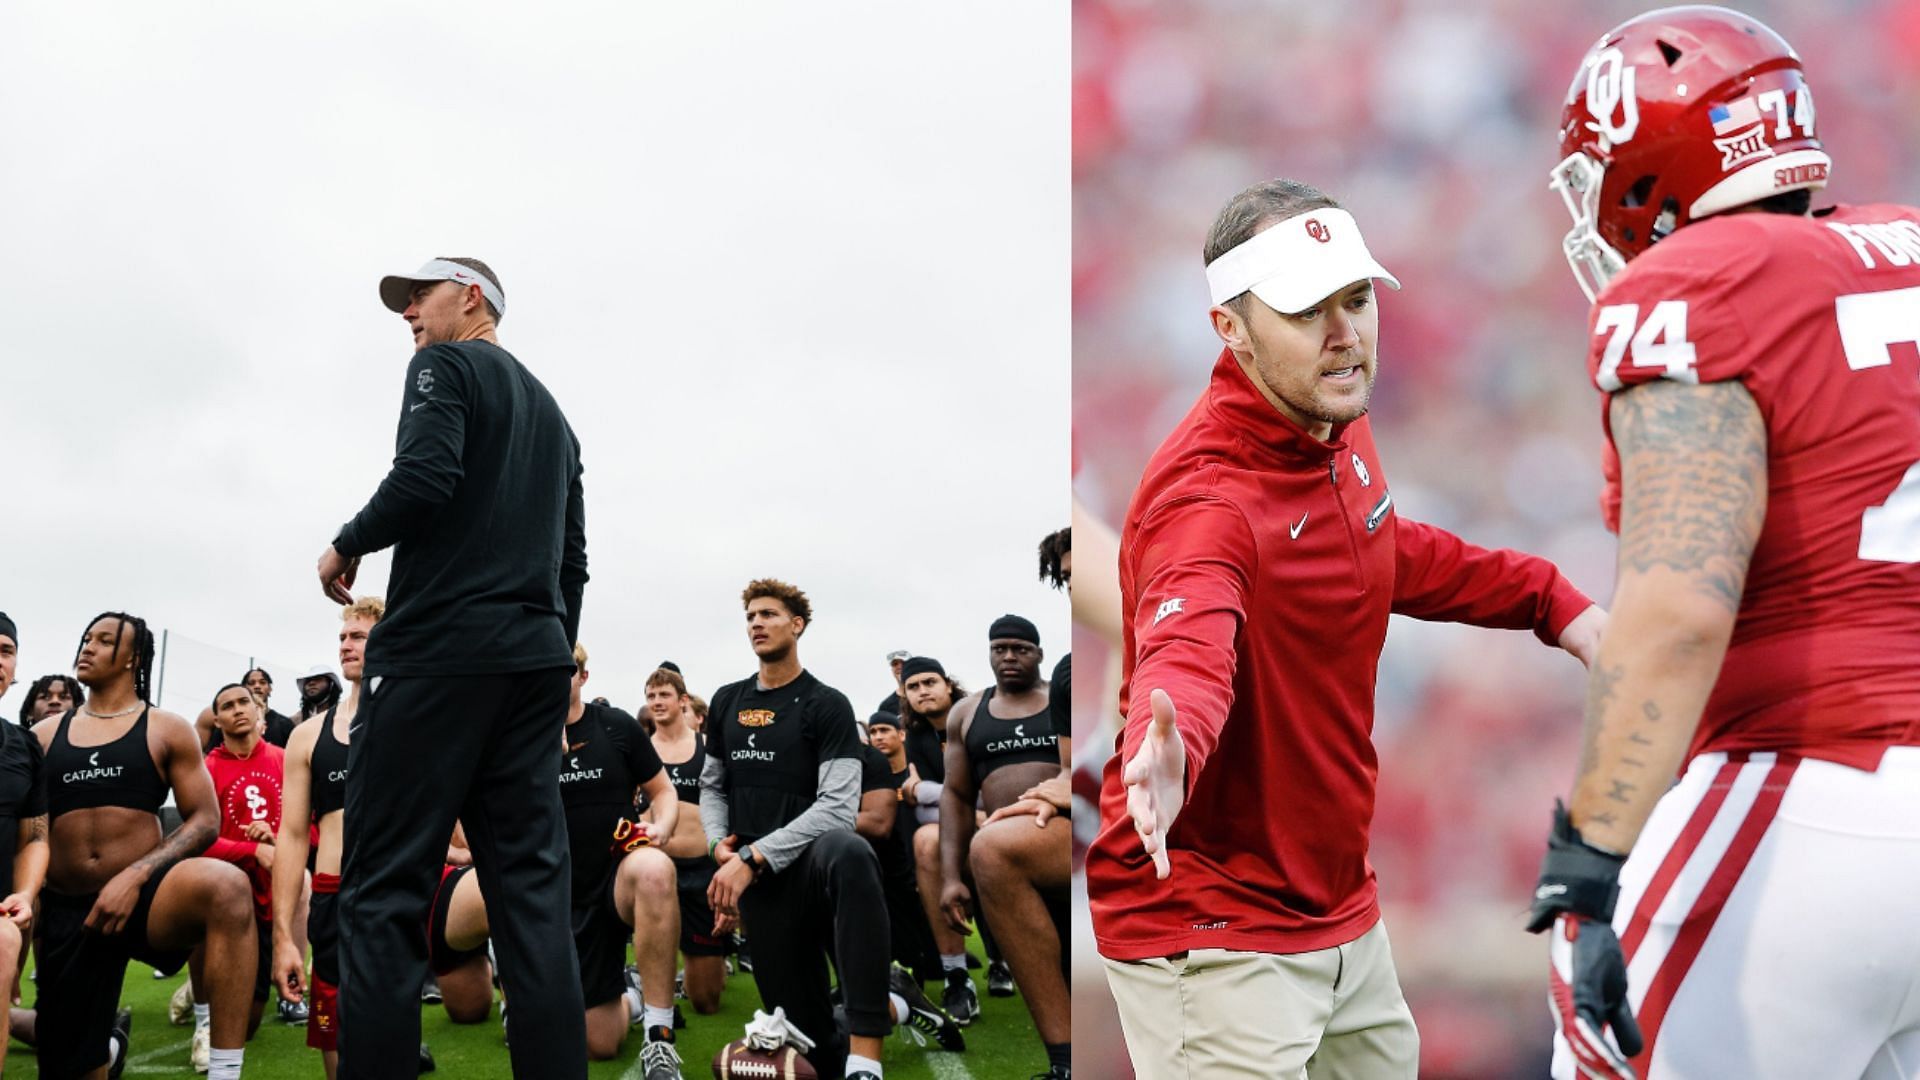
(1761, 384)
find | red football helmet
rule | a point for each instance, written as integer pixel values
(1675, 115)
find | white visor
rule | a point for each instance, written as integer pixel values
(396, 290)
(1298, 262)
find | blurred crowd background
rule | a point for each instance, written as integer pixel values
(1435, 124)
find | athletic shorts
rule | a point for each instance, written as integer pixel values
(444, 957)
(696, 915)
(323, 988)
(600, 941)
(80, 973)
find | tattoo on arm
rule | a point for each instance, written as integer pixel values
(1693, 466)
(1599, 695)
(186, 842)
(36, 829)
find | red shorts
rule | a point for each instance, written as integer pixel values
(323, 997)
(323, 1016)
(442, 957)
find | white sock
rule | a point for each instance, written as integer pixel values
(956, 962)
(224, 1064)
(901, 1014)
(855, 1063)
(202, 1014)
(658, 1016)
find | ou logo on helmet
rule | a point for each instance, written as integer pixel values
(1610, 92)
(1318, 231)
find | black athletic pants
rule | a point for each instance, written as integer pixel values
(484, 749)
(913, 943)
(829, 897)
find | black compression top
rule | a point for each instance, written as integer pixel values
(927, 748)
(993, 742)
(120, 773)
(605, 758)
(773, 742)
(23, 793)
(876, 774)
(329, 781)
(686, 775)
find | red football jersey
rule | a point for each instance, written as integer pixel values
(1819, 317)
(248, 790)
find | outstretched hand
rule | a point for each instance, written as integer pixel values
(1156, 782)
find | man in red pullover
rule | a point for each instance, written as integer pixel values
(1261, 558)
(247, 774)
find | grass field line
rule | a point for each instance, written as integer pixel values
(948, 1067)
(155, 1054)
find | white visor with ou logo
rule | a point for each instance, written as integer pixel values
(1297, 262)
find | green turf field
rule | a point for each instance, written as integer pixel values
(1000, 1044)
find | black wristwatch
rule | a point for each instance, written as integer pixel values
(752, 864)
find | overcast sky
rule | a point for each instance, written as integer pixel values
(797, 273)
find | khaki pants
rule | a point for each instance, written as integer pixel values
(1334, 1014)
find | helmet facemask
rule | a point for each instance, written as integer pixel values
(1594, 261)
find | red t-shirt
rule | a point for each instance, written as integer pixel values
(1258, 568)
(1819, 318)
(248, 790)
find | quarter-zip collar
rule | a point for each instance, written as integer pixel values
(1267, 433)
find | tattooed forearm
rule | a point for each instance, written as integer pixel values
(1600, 685)
(1693, 467)
(36, 829)
(1599, 695)
(188, 840)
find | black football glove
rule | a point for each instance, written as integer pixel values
(1578, 886)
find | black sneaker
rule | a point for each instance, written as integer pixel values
(959, 999)
(999, 979)
(740, 952)
(658, 1057)
(122, 1039)
(430, 991)
(1055, 1072)
(426, 1060)
(293, 1012)
(923, 1015)
(862, 1075)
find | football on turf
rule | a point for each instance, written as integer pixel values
(738, 1061)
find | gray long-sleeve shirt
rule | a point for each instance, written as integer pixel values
(782, 768)
(834, 807)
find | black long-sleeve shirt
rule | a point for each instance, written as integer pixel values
(485, 512)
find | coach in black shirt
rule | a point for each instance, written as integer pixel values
(778, 799)
(466, 683)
